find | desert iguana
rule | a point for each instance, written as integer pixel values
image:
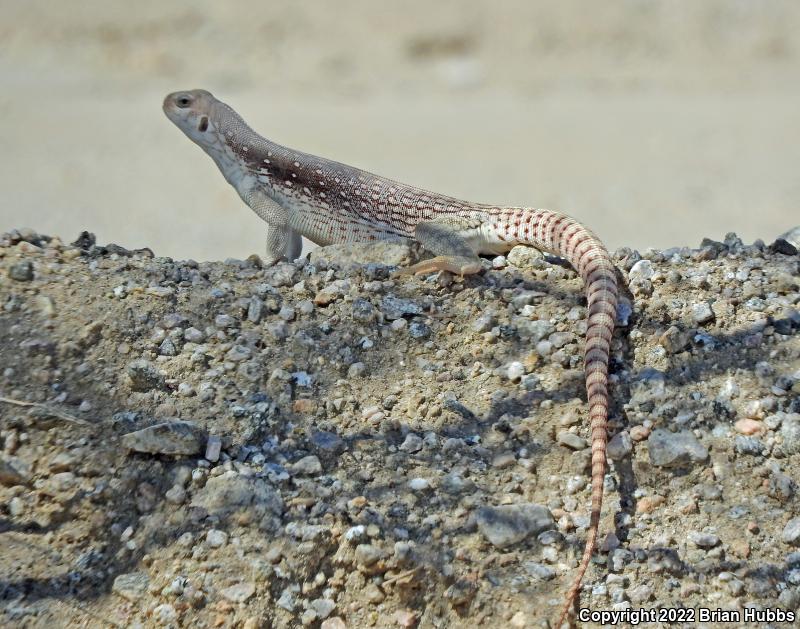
(298, 194)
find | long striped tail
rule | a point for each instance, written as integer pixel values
(563, 236)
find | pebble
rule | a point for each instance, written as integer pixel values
(405, 618)
(240, 592)
(131, 586)
(10, 475)
(539, 571)
(668, 449)
(213, 448)
(703, 540)
(173, 437)
(791, 532)
(21, 271)
(394, 307)
(228, 493)
(515, 371)
(412, 443)
(368, 555)
(790, 433)
(333, 623)
(419, 330)
(165, 614)
(307, 466)
(193, 335)
(571, 440)
(419, 484)
(642, 270)
(748, 445)
(702, 312)
(327, 441)
(216, 538)
(323, 607)
(640, 594)
(144, 376)
(620, 446)
(175, 495)
(508, 524)
(356, 370)
(748, 426)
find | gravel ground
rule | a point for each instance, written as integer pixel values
(318, 444)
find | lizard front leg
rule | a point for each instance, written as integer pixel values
(283, 243)
(447, 238)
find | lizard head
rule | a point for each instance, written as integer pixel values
(193, 112)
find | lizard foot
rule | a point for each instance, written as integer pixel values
(454, 264)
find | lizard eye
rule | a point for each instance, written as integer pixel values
(183, 101)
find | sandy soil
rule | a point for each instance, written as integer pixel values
(656, 123)
(359, 451)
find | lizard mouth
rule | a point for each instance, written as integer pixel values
(203, 126)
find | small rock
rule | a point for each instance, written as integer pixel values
(21, 271)
(647, 504)
(792, 236)
(228, 493)
(790, 433)
(640, 594)
(619, 446)
(240, 592)
(216, 538)
(175, 495)
(307, 466)
(165, 614)
(791, 532)
(668, 449)
(131, 586)
(515, 371)
(10, 476)
(703, 540)
(419, 330)
(412, 443)
(484, 322)
(173, 437)
(193, 335)
(394, 307)
(539, 571)
(702, 312)
(333, 623)
(327, 441)
(213, 448)
(356, 370)
(642, 270)
(748, 445)
(144, 376)
(323, 607)
(367, 554)
(419, 484)
(571, 440)
(748, 426)
(508, 524)
(405, 618)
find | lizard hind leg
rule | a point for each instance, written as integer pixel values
(445, 237)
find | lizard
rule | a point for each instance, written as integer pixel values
(299, 194)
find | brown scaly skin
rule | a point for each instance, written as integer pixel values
(299, 194)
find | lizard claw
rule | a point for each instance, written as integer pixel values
(454, 264)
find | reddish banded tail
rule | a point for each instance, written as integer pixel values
(565, 237)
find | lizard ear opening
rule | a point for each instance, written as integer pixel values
(203, 126)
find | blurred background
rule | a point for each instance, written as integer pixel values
(656, 122)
